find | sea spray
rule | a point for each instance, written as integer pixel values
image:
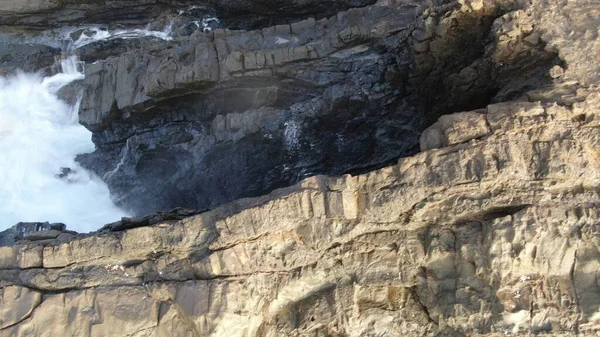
(40, 136)
(39, 139)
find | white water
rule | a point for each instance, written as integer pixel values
(39, 135)
(97, 33)
(61, 38)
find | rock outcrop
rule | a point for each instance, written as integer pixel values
(488, 228)
(495, 233)
(249, 111)
(204, 120)
(29, 230)
(28, 58)
(251, 13)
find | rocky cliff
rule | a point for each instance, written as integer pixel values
(469, 130)
(206, 119)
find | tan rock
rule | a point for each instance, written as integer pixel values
(454, 129)
(491, 230)
(16, 305)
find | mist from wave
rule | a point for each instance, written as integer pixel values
(40, 136)
(39, 139)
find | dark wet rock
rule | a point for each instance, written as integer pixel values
(27, 57)
(64, 172)
(242, 14)
(215, 117)
(71, 93)
(22, 230)
(67, 174)
(82, 33)
(43, 235)
(185, 22)
(264, 13)
(103, 49)
(149, 219)
(57, 13)
(203, 120)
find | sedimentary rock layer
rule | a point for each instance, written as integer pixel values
(494, 232)
(491, 228)
(206, 119)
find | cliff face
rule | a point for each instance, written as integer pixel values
(489, 227)
(493, 233)
(206, 119)
(48, 13)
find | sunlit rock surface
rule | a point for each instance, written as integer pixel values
(490, 230)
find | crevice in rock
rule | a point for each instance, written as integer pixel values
(25, 317)
(478, 67)
(141, 331)
(415, 295)
(503, 211)
(573, 285)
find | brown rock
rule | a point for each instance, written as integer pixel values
(491, 231)
(454, 129)
(16, 305)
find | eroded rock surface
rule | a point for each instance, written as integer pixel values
(130, 12)
(497, 233)
(28, 58)
(203, 120)
(490, 230)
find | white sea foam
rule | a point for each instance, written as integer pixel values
(73, 37)
(97, 33)
(40, 135)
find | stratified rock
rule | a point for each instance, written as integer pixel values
(257, 13)
(235, 12)
(103, 49)
(43, 235)
(496, 234)
(454, 129)
(491, 230)
(148, 220)
(59, 12)
(201, 121)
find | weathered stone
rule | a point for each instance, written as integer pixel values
(454, 129)
(27, 58)
(492, 230)
(16, 305)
